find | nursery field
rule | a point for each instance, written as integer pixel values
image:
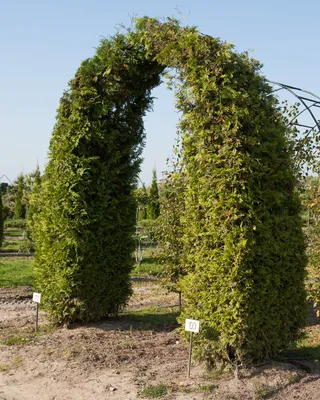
(137, 355)
(140, 354)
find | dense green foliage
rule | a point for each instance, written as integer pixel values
(153, 206)
(19, 205)
(242, 237)
(1, 219)
(141, 196)
(33, 204)
(15, 223)
(170, 228)
(85, 229)
(311, 202)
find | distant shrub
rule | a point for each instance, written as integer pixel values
(15, 223)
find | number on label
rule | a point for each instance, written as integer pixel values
(192, 325)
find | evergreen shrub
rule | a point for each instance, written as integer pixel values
(243, 240)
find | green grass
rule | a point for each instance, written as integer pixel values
(15, 223)
(308, 347)
(10, 246)
(262, 392)
(153, 316)
(13, 232)
(13, 341)
(153, 392)
(16, 272)
(150, 265)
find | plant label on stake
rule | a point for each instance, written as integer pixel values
(192, 326)
(36, 298)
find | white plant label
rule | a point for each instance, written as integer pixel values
(192, 325)
(36, 297)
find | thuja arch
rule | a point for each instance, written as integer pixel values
(243, 241)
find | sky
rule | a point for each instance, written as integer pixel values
(43, 42)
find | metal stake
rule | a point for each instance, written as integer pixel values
(37, 316)
(190, 352)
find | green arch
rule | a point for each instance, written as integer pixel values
(243, 238)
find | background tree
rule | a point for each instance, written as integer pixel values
(34, 183)
(86, 226)
(141, 195)
(153, 207)
(1, 218)
(4, 187)
(19, 201)
(8, 200)
(244, 244)
(171, 229)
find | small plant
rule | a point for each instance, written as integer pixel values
(4, 367)
(153, 392)
(208, 388)
(25, 246)
(262, 392)
(16, 361)
(294, 378)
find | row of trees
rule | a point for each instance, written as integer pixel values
(19, 202)
(16, 197)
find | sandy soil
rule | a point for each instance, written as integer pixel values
(119, 358)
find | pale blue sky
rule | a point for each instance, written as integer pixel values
(43, 42)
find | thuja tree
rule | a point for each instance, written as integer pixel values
(170, 231)
(85, 229)
(170, 224)
(1, 218)
(153, 207)
(141, 196)
(19, 205)
(311, 202)
(33, 204)
(243, 238)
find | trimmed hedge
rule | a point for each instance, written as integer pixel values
(85, 229)
(243, 240)
(1, 219)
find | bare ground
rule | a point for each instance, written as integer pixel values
(119, 358)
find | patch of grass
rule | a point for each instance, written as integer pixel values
(208, 388)
(150, 265)
(15, 223)
(294, 378)
(13, 232)
(4, 367)
(308, 346)
(152, 316)
(10, 246)
(186, 390)
(17, 340)
(262, 392)
(16, 272)
(153, 392)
